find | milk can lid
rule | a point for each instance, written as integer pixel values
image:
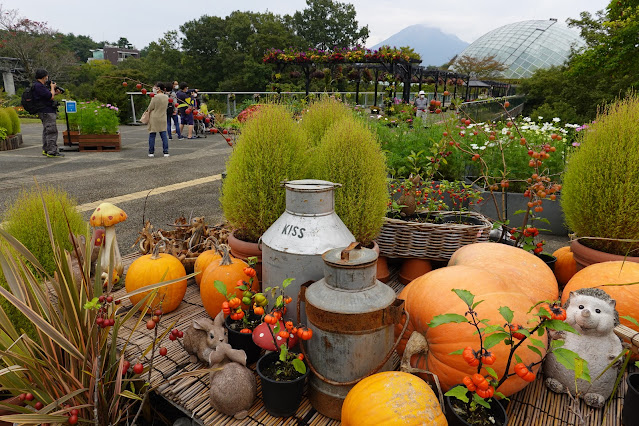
(352, 256)
(310, 185)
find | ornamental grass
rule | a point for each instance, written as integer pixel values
(601, 182)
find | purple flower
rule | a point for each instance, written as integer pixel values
(576, 144)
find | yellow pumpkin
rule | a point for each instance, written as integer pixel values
(152, 269)
(617, 272)
(565, 267)
(431, 295)
(513, 265)
(203, 261)
(392, 398)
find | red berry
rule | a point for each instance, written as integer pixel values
(75, 412)
(124, 83)
(175, 332)
(99, 320)
(21, 396)
(158, 312)
(163, 351)
(125, 367)
(143, 91)
(139, 86)
(109, 299)
(29, 397)
(39, 405)
(138, 368)
(172, 337)
(180, 334)
(150, 324)
(73, 419)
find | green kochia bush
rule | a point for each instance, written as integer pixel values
(601, 182)
(320, 116)
(25, 220)
(350, 154)
(5, 121)
(15, 120)
(272, 148)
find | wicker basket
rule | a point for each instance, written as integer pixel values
(401, 238)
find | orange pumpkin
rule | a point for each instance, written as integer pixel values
(512, 265)
(203, 261)
(152, 269)
(565, 267)
(229, 270)
(618, 272)
(431, 295)
(392, 398)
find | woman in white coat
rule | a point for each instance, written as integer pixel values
(157, 119)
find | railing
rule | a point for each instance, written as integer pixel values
(492, 109)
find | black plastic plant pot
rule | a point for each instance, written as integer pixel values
(243, 341)
(497, 412)
(630, 411)
(549, 259)
(281, 398)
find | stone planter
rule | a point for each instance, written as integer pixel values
(517, 201)
(11, 142)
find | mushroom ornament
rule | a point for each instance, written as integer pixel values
(108, 215)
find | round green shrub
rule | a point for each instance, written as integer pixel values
(5, 121)
(19, 321)
(601, 182)
(321, 115)
(350, 154)
(15, 120)
(25, 220)
(271, 148)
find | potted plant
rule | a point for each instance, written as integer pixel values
(474, 402)
(239, 322)
(599, 178)
(270, 149)
(282, 371)
(94, 124)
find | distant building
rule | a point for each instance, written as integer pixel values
(114, 54)
(526, 46)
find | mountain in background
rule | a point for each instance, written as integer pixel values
(435, 47)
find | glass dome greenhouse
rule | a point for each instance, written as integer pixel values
(526, 46)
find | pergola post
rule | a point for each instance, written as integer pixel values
(376, 83)
(468, 89)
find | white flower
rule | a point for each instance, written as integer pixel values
(526, 119)
(556, 119)
(474, 146)
(482, 147)
(540, 118)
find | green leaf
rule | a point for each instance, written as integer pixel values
(492, 372)
(528, 247)
(220, 286)
(507, 313)
(130, 395)
(459, 392)
(447, 319)
(631, 319)
(476, 303)
(554, 344)
(459, 352)
(481, 401)
(501, 395)
(537, 343)
(520, 212)
(543, 312)
(579, 367)
(535, 350)
(494, 339)
(543, 219)
(517, 358)
(567, 358)
(491, 329)
(287, 282)
(299, 366)
(465, 295)
(283, 352)
(279, 301)
(559, 326)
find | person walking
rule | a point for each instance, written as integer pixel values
(43, 94)
(421, 103)
(185, 104)
(157, 118)
(172, 112)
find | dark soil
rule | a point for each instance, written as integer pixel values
(280, 372)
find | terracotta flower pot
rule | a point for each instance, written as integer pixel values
(383, 274)
(413, 268)
(585, 256)
(243, 250)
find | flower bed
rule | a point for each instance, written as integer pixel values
(95, 118)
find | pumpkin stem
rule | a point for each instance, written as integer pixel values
(226, 255)
(156, 250)
(212, 243)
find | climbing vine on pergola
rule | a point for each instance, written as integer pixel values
(402, 64)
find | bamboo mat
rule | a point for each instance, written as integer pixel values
(533, 406)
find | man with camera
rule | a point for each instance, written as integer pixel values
(43, 93)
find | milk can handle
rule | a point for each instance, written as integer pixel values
(302, 296)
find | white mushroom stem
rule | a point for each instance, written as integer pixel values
(111, 241)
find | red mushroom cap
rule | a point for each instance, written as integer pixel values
(264, 339)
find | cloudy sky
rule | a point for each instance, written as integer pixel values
(143, 21)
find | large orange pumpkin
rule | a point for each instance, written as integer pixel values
(431, 295)
(229, 270)
(152, 269)
(513, 265)
(392, 398)
(203, 261)
(565, 267)
(618, 272)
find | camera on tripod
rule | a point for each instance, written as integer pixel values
(48, 84)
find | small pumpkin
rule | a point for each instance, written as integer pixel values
(204, 260)
(565, 266)
(392, 398)
(152, 269)
(617, 272)
(431, 295)
(513, 265)
(228, 270)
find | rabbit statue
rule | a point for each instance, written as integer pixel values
(199, 339)
(233, 387)
(591, 312)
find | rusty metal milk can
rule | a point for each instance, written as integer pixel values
(293, 246)
(352, 315)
